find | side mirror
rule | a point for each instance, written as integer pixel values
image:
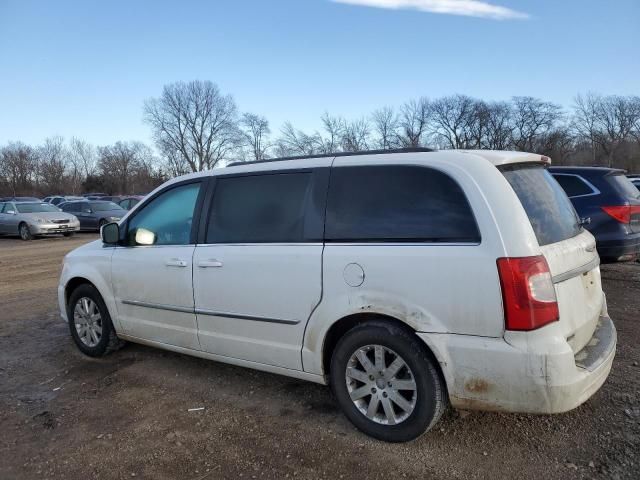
(110, 233)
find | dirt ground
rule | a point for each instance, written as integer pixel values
(64, 415)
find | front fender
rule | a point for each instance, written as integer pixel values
(95, 268)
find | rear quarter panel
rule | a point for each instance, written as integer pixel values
(437, 288)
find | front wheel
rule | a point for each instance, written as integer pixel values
(386, 382)
(90, 323)
(69, 234)
(25, 232)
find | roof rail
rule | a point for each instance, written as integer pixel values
(336, 154)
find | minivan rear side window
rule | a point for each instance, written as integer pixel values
(400, 203)
(550, 211)
(264, 208)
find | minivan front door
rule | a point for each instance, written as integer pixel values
(258, 276)
(152, 271)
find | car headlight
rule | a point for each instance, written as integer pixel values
(39, 220)
(114, 219)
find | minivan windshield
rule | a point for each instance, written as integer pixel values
(104, 206)
(550, 211)
(36, 207)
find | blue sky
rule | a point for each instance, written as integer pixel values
(84, 68)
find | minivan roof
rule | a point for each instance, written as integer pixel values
(496, 157)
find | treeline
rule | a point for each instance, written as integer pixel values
(74, 167)
(195, 127)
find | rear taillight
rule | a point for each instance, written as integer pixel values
(528, 294)
(622, 213)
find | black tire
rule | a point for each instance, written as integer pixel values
(24, 232)
(101, 224)
(109, 341)
(69, 234)
(430, 401)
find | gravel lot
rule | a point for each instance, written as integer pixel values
(63, 415)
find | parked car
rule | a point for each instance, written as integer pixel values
(609, 202)
(635, 181)
(111, 198)
(58, 199)
(93, 214)
(86, 195)
(20, 199)
(129, 202)
(30, 219)
(405, 280)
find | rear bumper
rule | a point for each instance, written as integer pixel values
(529, 372)
(615, 249)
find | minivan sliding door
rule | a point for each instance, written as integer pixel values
(257, 277)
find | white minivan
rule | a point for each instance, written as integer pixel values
(406, 280)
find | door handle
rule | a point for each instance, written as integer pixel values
(176, 262)
(210, 263)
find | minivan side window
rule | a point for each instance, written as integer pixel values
(263, 208)
(167, 219)
(397, 204)
(573, 185)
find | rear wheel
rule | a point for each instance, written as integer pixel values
(25, 232)
(90, 323)
(386, 382)
(69, 234)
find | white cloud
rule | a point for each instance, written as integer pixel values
(470, 8)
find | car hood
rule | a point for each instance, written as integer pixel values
(49, 216)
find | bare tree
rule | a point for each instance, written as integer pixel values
(52, 156)
(532, 120)
(196, 121)
(83, 155)
(385, 127)
(18, 164)
(296, 142)
(255, 131)
(617, 118)
(413, 120)
(585, 119)
(499, 128)
(334, 130)
(355, 135)
(118, 162)
(453, 121)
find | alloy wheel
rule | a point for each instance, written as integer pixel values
(381, 384)
(88, 321)
(24, 232)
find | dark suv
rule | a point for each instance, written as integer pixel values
(611, 202)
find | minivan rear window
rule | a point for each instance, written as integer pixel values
(550, 211)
